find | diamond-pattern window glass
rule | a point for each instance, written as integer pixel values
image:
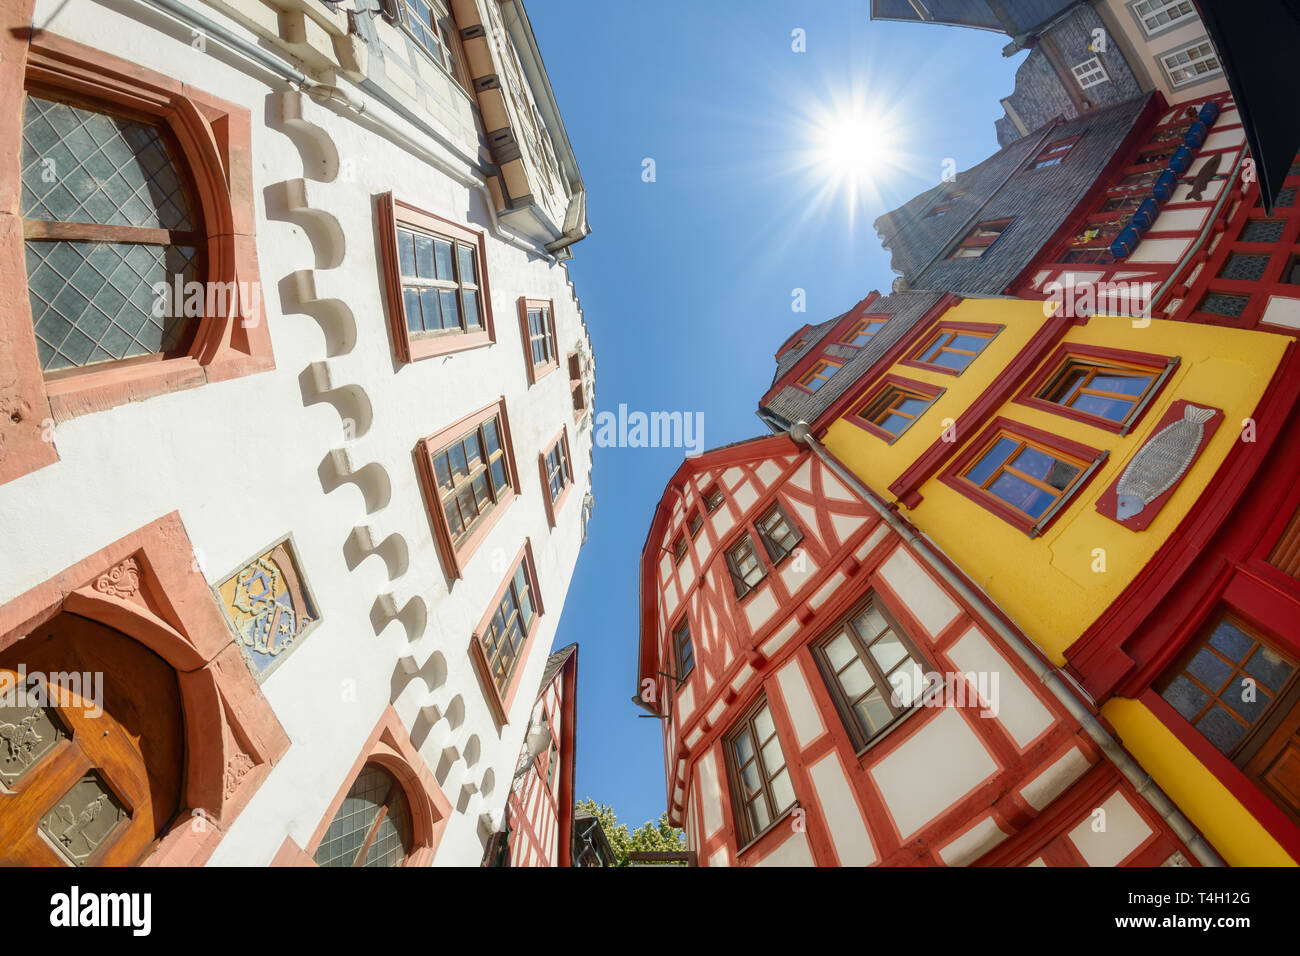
(1285, 197)
(1218, 303)
(372, 826)
(1263, 230)
(94, 301)
(107, 218)
(1249, 268)
(84, 166)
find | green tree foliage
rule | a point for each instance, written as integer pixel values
(656, 836)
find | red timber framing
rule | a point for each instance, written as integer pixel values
(541, 805)
(1225, 556)
(761, 646)
(213, 140)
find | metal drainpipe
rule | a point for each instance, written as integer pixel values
(357, 104)
(1059, 683)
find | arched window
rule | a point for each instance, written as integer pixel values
(108, 218)
(373, 825)
(126, 183)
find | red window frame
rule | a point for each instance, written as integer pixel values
(915, 389)
(1053, 154)
(1161, 368)
(1087, 458)
(456, 558)
(214, 139)
(499, 702)
(986, 331)
(553, 505)
(538, 370)
(394, 212)
(981, 236)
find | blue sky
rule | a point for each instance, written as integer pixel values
(686, 282)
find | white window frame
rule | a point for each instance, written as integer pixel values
(1159, 7)
(1194, 78)
(1090, 73)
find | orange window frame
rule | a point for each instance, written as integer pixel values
(1084, 459)
(940, 341)
(814, 374)
(882, 400)
(862, 329)
(1044, 389)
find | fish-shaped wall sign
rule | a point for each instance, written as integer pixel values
(1152, 475)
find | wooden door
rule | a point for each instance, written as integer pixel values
(93, 775)
(1275, 765)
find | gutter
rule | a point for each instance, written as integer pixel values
(1075, 700)
(361, 105)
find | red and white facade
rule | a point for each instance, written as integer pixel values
(997, 773)
(540, 806)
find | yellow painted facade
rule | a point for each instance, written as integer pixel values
(1055, 585)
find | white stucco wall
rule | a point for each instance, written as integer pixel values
(241, 460)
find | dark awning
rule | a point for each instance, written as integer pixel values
(1257, 42)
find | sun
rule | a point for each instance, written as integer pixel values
(856, 147)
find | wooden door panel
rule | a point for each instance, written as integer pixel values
(104, 794)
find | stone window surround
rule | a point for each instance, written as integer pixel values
(215, 141)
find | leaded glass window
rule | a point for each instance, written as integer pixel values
(1227, 683)
(1263, 230)
(107, 218)
(1244, 267)
(373, 825)
(1220, 303)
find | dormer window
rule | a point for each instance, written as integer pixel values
(976, 242)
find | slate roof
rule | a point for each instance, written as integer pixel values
(553, 665)
(1008, 16)
(905, 310)
(1003, 187)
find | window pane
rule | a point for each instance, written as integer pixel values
(411, 303)
(744, 749)
(907, 684)
(888, 651)
(870, 622)
(759, 818)
(991, 459)
(450, 309)
(782, 791)
(442, 260)
(873, 712)
(1236, 696)
(468, 268)
(1185, 697)
(499, 475)
(424, 257)
(772, 758)
(856, 680)
(429, 306)
(1112, 409)
(1231, 640)
(750, 778)
(1221, 729)
(840, 651)
(1022, 495)
(1269, 668)
(442, 470)
(1123, 384)
(473, 316)
(406, 252)
(763, 724)
(1210, 669)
